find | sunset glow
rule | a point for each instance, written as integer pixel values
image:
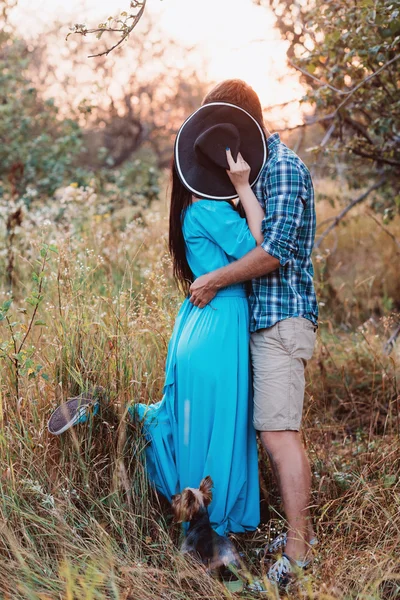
(235, 38)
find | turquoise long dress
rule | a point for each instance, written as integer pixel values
(203, 424)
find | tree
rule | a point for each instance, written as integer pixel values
(348, 53)
(150, 104)
(136, 97)
(37, 148)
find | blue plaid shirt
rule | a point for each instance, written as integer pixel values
(285, 191)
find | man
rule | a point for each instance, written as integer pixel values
(283, 323)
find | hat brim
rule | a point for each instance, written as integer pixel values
(213, 182)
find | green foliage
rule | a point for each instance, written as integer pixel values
(136, 182)
(350, 50)
(38, 148)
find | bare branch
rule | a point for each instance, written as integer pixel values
(311, 76)
(124, 25)
(388, 347)
(380, 158)
(325, 221)
(308, 122)
(359, 128)
(328, 135)
(344, 212)
(389, 233)
(347, 93)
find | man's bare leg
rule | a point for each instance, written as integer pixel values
(290, 465)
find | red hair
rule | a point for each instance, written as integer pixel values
(238, 92)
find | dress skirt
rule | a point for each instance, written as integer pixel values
(203, 424)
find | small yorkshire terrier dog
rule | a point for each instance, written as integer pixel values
(202, 542)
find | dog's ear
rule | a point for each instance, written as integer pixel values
(205, 488)
(176, 504)
(190, 505)
(185, 506)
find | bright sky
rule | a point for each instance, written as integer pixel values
(236, 37)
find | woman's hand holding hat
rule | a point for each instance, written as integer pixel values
(238, 172)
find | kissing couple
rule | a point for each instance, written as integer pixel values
(241, 232)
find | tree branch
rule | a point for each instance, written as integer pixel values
(382, 159)
(389, 233)
(364, 81)
(347, 93)
(311, 76)
(308, 122)
(359, 127)
(344, 212)
(124, 27)
(388, 347)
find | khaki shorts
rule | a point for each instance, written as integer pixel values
(279, 355)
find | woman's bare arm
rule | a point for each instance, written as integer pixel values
(238, 173)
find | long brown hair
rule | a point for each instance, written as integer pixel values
(180, 199)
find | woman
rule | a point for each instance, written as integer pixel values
(203, 424)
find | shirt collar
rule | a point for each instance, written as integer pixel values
(273, 141)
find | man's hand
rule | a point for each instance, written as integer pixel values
(203, 290)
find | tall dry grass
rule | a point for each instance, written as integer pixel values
(78, 520)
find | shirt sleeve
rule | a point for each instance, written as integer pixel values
(219, 222)
(285, 194)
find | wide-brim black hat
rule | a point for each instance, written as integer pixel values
(200, 149)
